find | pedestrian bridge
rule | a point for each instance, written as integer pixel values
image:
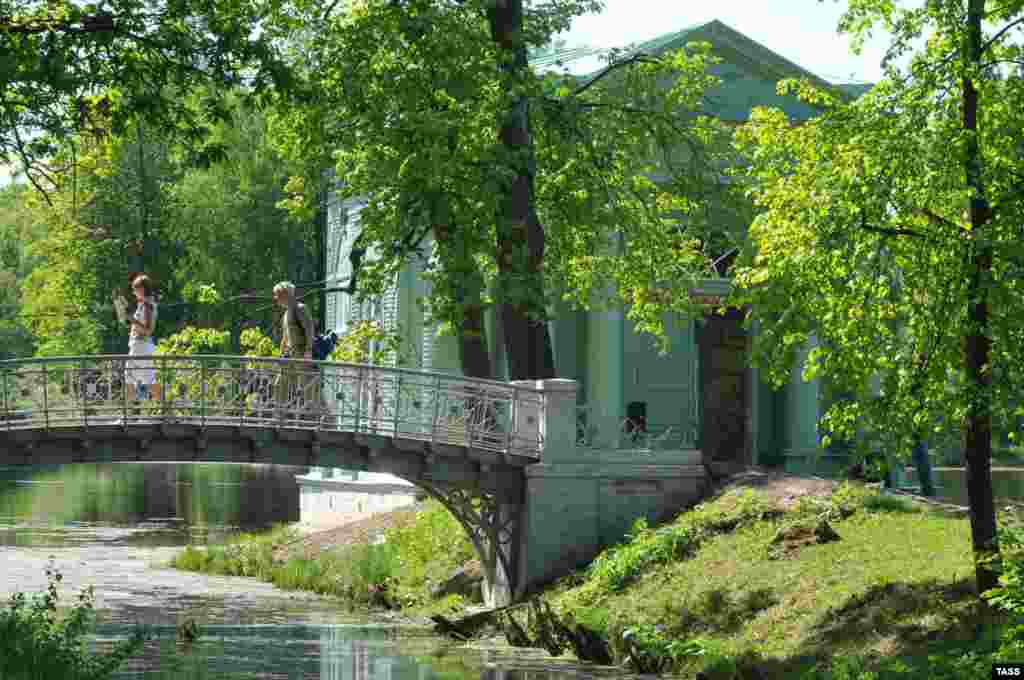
(502, 457)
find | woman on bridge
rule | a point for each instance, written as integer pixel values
(141, 375)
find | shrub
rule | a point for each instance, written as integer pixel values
(37, 644)
(645, 648)
(1008, 596)
(427, 550)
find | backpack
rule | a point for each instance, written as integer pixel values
(323, 345)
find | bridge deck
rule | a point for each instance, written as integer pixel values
(87, 396)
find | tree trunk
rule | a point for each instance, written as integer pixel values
(520, 240)
(473, 353)
(462, 271)
(977, 343)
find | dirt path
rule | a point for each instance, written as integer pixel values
(358, 531)
(781, 488)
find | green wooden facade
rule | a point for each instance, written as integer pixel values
(704, 386)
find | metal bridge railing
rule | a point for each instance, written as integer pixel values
(634, 434)
(259, 392)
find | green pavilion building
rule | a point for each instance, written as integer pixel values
(703, 394)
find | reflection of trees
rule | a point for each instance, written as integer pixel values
(363, 654)
(249, 496)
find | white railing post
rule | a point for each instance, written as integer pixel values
(7, 408)
(46, 402)
(437, 402)
(549, 422)
(80, 393)
(398, 403)
(359, 399)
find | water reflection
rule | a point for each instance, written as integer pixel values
(320, 652)
(93, 521)
(339, 652)
(162, 504)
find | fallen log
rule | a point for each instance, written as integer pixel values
(470, 625)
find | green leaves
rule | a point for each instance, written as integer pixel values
(861, 238)
(54, 55)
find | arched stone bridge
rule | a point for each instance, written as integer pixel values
(480, 447)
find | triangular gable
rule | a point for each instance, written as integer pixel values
(749, 71)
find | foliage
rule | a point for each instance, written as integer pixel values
(255, 344)
(17, 228)
(648, 650)
(107, 218)
(428, 549)
(135, 203)
(55, 296)
(192, 341)
(38, 644)
(1008, 596)
(949, 665)
(889, 230)
(417, 553)
(233, 235)
(243, 554)
(426, 159)
(73, 68)
(617, 567)
(368, 339)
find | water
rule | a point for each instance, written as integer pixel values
(116, 527)
(142, 503)
(951, 483)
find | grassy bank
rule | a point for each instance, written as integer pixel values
(397, 573)
(716, 591)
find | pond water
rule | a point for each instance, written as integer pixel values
(116, 527)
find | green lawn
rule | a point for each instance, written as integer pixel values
(896, 588)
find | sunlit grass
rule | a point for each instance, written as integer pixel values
(900, 578)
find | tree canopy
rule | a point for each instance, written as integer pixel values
(68, 67)
(888, 234)
(607, 187)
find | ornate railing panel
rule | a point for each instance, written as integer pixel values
(634, 435)
(243, 391)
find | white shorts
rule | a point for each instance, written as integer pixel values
(140, 372)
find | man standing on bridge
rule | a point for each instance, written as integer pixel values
(297, 334)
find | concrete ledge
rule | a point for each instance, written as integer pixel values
(358, 487)
(640, 456)
(613, 471)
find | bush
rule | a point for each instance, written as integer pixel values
(645, 648)
(427, 550)
(1008, 596)
(37, 644)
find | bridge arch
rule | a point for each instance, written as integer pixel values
(502, 457)
(465, 442)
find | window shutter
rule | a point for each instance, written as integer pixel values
(389, 319)
(427, 351)
(335, 233)
(329, 312)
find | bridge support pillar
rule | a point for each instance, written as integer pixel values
(578, 501)
(493, 521)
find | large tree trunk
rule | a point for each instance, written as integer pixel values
(520, 246)
(977, 344)
(470, 331)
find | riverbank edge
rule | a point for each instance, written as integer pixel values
(593, 599)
